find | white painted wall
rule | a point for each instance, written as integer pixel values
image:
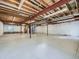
(12, 28)
(1, 28)
(71, 28)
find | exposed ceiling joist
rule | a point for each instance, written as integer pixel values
(21, 4)
(58, 4)
(36, 9)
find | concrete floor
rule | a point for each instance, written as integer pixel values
(40, 46)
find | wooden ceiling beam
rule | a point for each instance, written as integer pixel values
(5, 21)
(58, 4)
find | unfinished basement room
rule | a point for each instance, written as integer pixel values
(39, 29)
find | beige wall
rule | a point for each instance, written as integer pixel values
(1, 28)
(77, 52)
(23, 27)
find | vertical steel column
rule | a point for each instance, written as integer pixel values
(33, 28)
(30, 31)
(21, 28)
(25, 28)
(47, 29)
(47, 25)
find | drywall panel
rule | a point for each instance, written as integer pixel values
(71, 28)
